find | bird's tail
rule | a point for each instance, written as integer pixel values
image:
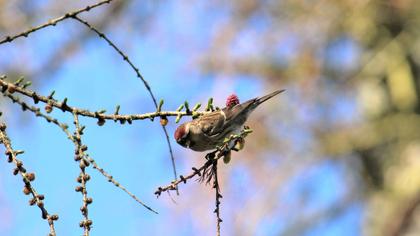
(268, 96)
(244, 109)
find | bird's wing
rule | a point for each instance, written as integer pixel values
(238, 113)
(227, 120)
(233, 113)
(211, 123)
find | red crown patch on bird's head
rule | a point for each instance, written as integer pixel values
(232, 100)
(180, 132)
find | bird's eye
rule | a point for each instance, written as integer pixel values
(180, 140)
(183, 141)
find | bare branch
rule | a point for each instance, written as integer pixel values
(27, 179)
(51, 102)
(211, 157)
(83, 177)
(38, 113)
(218, 197)
(117, 184)
(208, 171)
(138, 74)
(52, 22)
(89, 159)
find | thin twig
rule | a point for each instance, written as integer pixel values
(140, 76)
(27, 179)
(64, 128)
(208, 171)
(171, 153)
(83, 177)
(218, 197)
(38, 113)
(52, 22)
(183, 179)
(211, 157)
(112, 180)
(124, 57)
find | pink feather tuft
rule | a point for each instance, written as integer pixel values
(232, 100)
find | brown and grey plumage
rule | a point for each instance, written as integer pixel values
(209, 130)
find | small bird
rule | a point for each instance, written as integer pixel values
(210, 130)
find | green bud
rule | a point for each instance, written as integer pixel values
(247, 131)
(210, 105)
(20, 80)
(178, 118)
(187, 107)
(180, 107)
(51, 94)
(160, 105)
(27, 84)
(197, 106)
(117, 109)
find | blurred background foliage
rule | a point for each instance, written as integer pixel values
(343, 140)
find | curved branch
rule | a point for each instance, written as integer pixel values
(52, 22)
(139, 75)
(90, 160)
(27, 179)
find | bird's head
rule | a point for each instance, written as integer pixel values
(181, 135)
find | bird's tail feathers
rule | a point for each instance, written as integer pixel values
(251, 104)
(268, 96)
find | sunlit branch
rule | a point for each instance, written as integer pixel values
(52, 22)
(64, 128)
(27, 179)
(211, 157)
(100, 115)
(140, 76)
(83, 178)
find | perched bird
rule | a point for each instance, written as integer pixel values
(210, 130)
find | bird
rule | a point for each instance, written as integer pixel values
(209, 131)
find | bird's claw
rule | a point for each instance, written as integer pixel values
(210, 155)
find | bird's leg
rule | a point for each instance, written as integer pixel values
(210, 155)
(208, 173)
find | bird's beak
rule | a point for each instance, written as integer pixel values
(183, 142)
